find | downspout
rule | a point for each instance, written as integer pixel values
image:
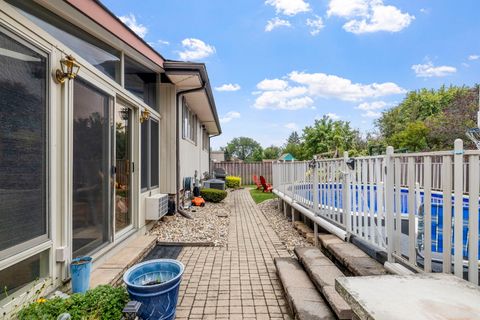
(177, 125)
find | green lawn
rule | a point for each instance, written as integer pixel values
(258, 195)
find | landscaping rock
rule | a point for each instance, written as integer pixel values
(282, 226)
(209, 225)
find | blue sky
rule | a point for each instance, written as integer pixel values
(276, 65)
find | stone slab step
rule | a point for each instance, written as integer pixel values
(303, 298)
(357, 262)
(323, 273)
(397, 268)
(112, 269)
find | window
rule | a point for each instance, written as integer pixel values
(15, 277)
(23, 145)
(101, 56)
(190, 123)
(205, 140)
(141, 81)
(150, 156)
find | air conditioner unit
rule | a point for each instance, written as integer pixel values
(156, 206)
(214, 184)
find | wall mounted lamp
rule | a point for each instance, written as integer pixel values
(144, 116)
(69, 70)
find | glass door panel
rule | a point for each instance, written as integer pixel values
(91, 168)
(123, 156)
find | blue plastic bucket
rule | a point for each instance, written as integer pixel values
(80, 269)
(155, 284)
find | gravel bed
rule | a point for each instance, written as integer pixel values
(287, 234)
(209, 225)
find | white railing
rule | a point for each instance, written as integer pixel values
(421, 208)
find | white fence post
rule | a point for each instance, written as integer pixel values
(347, 222)
(458, 208)
(389, 201)
(315, 198)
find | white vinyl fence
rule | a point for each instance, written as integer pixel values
(421, 208)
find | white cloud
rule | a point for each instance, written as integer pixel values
(366, 16)
(228, 87)
(163, 42)
(371, 114)
(289, 7)
(428, 70)
(331, 86)
(347, 8)
(291, 126)
(291, 98)
(132, 23)
(316, 25)
(300, 89)
(272, 84)
(276, 23)
(375, 105)
(333, 116)
(195, 49)
(473, 57)
(230, 116)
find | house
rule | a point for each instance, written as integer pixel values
(286, 157)
(93, 121)
(217, 156)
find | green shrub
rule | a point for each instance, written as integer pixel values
(213, 195)
(102, 303)
(233, 182)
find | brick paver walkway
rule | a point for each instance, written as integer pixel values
(239, 281)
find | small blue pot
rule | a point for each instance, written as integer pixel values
(80, 269)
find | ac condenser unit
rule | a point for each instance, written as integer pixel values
(156, 206)
(214, 184)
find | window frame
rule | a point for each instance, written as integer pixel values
(149, 185)
(26, 249)
(189, 124)
(205, 140)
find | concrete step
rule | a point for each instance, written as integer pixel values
(303, 298)
(323, 273)
(398, 269)
(355, 261)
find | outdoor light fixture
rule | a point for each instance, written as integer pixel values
(351, 163)
(69, 70)
(145, 115)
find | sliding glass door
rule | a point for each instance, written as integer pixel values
(123, 167)
(91, 168)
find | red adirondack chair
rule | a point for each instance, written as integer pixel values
(257, 182)
(266, 186)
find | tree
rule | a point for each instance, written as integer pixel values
(293, 138)
(329, 138)
(413, 138)
(243, 148)
(272, 152)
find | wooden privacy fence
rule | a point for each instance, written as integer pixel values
(246, 170)
(421, 208)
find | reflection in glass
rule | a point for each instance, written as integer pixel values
(101, 56)
(91, 163)
(123, 168)
(23, 143)
(141, 81)
(17, 276)
(154, 135)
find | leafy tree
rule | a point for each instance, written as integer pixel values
(413, 138)
(272, 152)
(329, 138)
(446, 114)
(243, 148)
(294, 138)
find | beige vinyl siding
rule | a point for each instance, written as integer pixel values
(192, 156)
(168, 138)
